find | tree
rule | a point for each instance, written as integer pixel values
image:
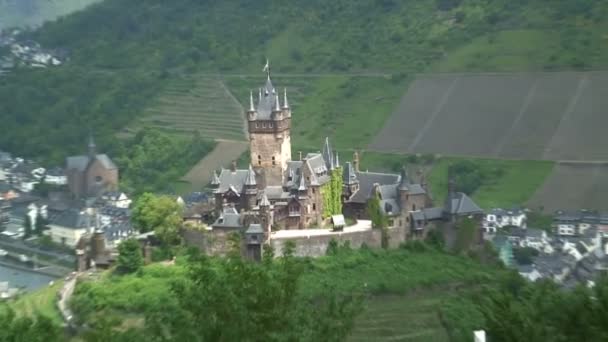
(379, 219)
(231, 299)
(524, 255)
(27, 226)
(161, 214)
(130, 258)
(36, 329)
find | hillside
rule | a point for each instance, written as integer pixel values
(22, 13)
(123, 54)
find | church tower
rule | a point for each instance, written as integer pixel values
(269, 125)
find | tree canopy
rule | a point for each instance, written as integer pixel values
(160, 214)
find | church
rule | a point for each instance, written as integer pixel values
(277, 192)
(92, 174)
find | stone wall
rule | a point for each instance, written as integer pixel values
(216, 242)
(315, 246)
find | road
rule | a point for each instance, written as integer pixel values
(65, 295)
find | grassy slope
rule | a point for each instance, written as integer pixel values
(520, 180)
(43, 301)
(514, 188)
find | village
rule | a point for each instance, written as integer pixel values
(78, 215)
(14, 52)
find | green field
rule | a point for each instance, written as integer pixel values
(195, 103)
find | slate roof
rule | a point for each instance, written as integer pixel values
(255, 228)
(349, 176)
(74, 219)
(433, 213)
(418, 216)
(230, 218)
(366, 183)
(235, 179)
(390, 206)
(267, 101)
(459, 203)
(80, 163)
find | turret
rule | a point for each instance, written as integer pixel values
(328, 155)
(251, 112)
(356, 162)
(215, 180)
(285, 103)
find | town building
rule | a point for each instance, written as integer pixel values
(69, 227)
(92, 174)
(499, 218)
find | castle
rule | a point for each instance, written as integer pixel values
(276, 192)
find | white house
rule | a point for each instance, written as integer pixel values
(500, 218)
(117, 199)
(537, 239)
(55, 176)
(529, 272)
(68, 228)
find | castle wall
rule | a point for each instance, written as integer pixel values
(316, 246)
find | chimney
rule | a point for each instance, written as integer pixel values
(233, 166)
(300, 155)
(356, 161)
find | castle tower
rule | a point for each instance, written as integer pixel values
(269, 125)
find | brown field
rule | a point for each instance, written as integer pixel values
(549, 116)
(574, 186)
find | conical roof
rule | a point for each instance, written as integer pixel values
(302, 184)
(349, 176)
(264, 202)
(285, 103)
(215, 180)
(405, 181)
(328, 154)
(250, 180)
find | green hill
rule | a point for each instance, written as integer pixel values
(124, 54)
(21, 13)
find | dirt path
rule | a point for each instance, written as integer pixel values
(224, 153)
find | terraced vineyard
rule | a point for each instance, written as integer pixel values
(400, 318)
(197, 103)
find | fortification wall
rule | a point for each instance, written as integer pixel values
(216, 242)
(315, 246)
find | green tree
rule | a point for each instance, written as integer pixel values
(27, 226)
(378, 217)
(231, 299)
(130, 258)
(25, 329)
(161, 214)
(525, 255)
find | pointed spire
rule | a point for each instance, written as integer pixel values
(277, 106)
(328, 154)
(337, 160)
(264, 202)
(259, 95)
(215, 180)
(404, 182)
(92, 147)
(251, 106)
(285, 103)
(250, 180)
(349, 177)
(302, 186)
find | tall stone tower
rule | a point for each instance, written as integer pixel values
(269, 125)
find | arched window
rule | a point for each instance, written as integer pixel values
(274, 162)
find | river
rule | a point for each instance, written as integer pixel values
(28, 280)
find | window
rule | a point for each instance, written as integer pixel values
(314, 207)
(257, 125)
(314, 190)
(413, 207)
(274, 162)
(98, 179)
(264, 125)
